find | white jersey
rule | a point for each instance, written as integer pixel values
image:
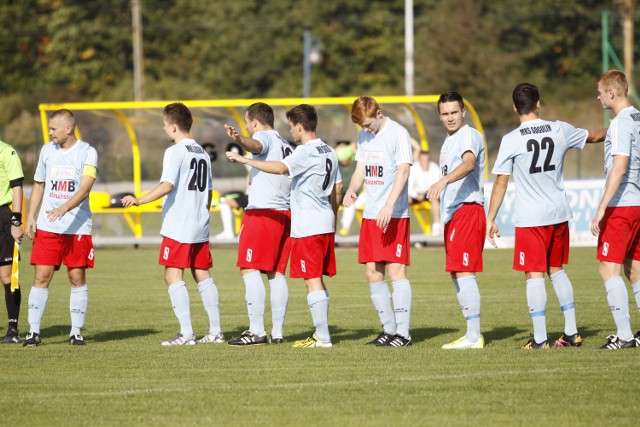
(185, 210)
(469, 189)
(266, 190)
(381, 154)
(421, 180)
(534, 153)
(61, 172)
(622, 140)
(313, 168)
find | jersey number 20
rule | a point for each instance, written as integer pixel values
(198, 179)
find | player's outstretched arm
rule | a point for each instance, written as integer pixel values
(251, 145)
(158, 192)
(467, 166)
(270, 166)
(596, 135)
(497, 196)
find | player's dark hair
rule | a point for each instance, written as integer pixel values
(305, 115)
(451, 96)
(525, 98)
(261, 112)
(178, 114)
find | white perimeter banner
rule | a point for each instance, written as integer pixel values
(583, 195)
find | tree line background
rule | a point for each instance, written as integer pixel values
(81, 50)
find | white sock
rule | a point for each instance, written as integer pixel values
(279, 302)
(402, 304)
(636, 292)
(319, 307)
(78, 302)
(37, 303)
(255, 297)
(381, 298)
(180, 302)
(226, 214)
(537, 301)
(210, 300)
(618, 299)
(469, 299)
(564, 292)
(347, 216)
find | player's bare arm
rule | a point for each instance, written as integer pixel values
(402, 175)
(251, 145)
(158, 192)
(497, 196)
(357, 179)
(467, 166)
(610, 188)
(86, 184)
(16, 207)
(596, 135)
(37, 191)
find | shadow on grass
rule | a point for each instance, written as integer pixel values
(502, 333)
(365, 335)
(63, 331)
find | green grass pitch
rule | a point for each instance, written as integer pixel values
(124, 377)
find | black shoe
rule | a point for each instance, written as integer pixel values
(76, 340)
(565, 340)
(533, 345)
(277, 340)
(381, 339)
(12, 336)
(615, 343)
(248, 338)
(398, 341)
(32, 340)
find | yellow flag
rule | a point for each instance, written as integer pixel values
(15, 267)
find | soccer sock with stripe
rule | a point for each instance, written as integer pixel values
(469, 299)
(381, 298)
(537, 301)
(618, 299)
(255, 297)
(37, 303)
(209, 295)
(78, 303)
(402, 305)
(279, 302)
(636, 292)
(319, 307)
(226, 215)
(180, 301)
(564, 292)
(12, 300)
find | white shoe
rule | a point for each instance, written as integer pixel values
(224, 236)
(436, 228)
(180, 340)
(209, 338)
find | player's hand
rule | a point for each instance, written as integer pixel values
(56, 214)
(232, 132)
(17, 233)
(30, 228)
(435, 190)
(349, 198)
(384, 217)
(595, 224)
(129, 200)
(492, 230)
(235, 157)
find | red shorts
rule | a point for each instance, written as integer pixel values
(619, 234)
(313, 256)
(74, 250)
(185, 255)
(538, 248)
(390, 246)
(264, 240)
(464, 239)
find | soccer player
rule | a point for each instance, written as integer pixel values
(315, 189)
(63, 180)
(534, 153)
(264, 244)
(186, 184)
(11, 194)
(462, 162)
(422, 175)
(617, 219)
(384, 159)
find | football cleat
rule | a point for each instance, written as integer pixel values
(381, 339)
(76, 340)
(248, 338)
(179, 339)
(463, 343)
(12, 336)
(533, 345)
(398, 341)
(565, 340)
(615, 343)
(312, 341)
(32, 340)
(277, 340)
(210, 338)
